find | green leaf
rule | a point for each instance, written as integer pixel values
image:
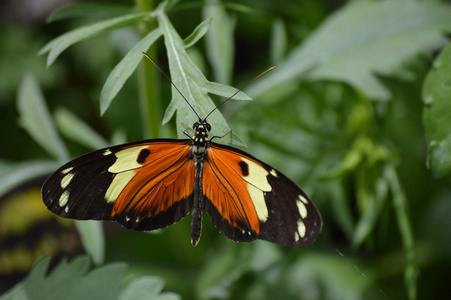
(92, 10)
(93, 239)
(278, 41)
(216, 279)
(219, 41)
(436, 115)
(36, 119)
(74, 280)
(124, 69)
(197, 34)
(363, 39)
(56, 46)
(324, 276)
(146, 287)
(77, 130)
(226, 91)
(193, 86)
(13, 175)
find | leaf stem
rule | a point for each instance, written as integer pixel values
(148, 81)
(400, 204)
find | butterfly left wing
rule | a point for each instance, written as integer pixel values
(145, 185)
(250, 200)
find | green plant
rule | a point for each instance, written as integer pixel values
(341, 115)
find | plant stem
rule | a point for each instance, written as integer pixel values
(400, 204)
(148, 81)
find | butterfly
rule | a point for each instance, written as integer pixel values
(151, 184)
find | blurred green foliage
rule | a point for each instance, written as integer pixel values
(356, 112)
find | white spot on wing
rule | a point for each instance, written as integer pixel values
(302, 198)
(118, 184)
(66, 180)
(273, 173)
(257, 186)
(127, 218)
(301, 228)
(257, 175)
(107, 152)
(65, 171)
(64, 198)
(302, 209)
(258, 198)
(296, 237)
(126, 159)
(66, 209)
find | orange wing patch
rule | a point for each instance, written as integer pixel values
(161, 176)
(235, 185)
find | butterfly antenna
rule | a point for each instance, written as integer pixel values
(173, 84)
(267, 70)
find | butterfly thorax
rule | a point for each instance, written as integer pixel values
(200, 140)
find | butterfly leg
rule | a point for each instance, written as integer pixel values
(196, 216)
(220, 136)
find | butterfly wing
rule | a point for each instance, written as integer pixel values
(145, 185)
(250, 200)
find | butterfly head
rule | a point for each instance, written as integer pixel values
(200, 141)
(201, 129)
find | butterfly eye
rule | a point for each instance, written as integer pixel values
(208, 127)
(195, 125)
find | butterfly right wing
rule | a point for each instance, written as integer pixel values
(249, 200)
(144, 185)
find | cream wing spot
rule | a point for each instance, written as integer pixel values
(273, 173)
(301, 228)
(107, 152)
(63, 198)
(118, 184)
(66, 180)
(66, 209)
(302, 198)
(65, 171)
(258, 198)
(126, 159)
(257, 175)
(296, 237)
(302, 209)
(257, 186)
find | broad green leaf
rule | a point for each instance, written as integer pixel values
(74, 280)
(225, 91)
(324, 276)
(220, 41)
(437, 115)
(77, 130)
(146, 287)
(14, 174)
(93, 10)
(192, 85)
(56, 46)
(216, 279)
(197, 34)
(36, 119)
(362, 39)
(124, 69)
(278, 42)
(93, 239)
